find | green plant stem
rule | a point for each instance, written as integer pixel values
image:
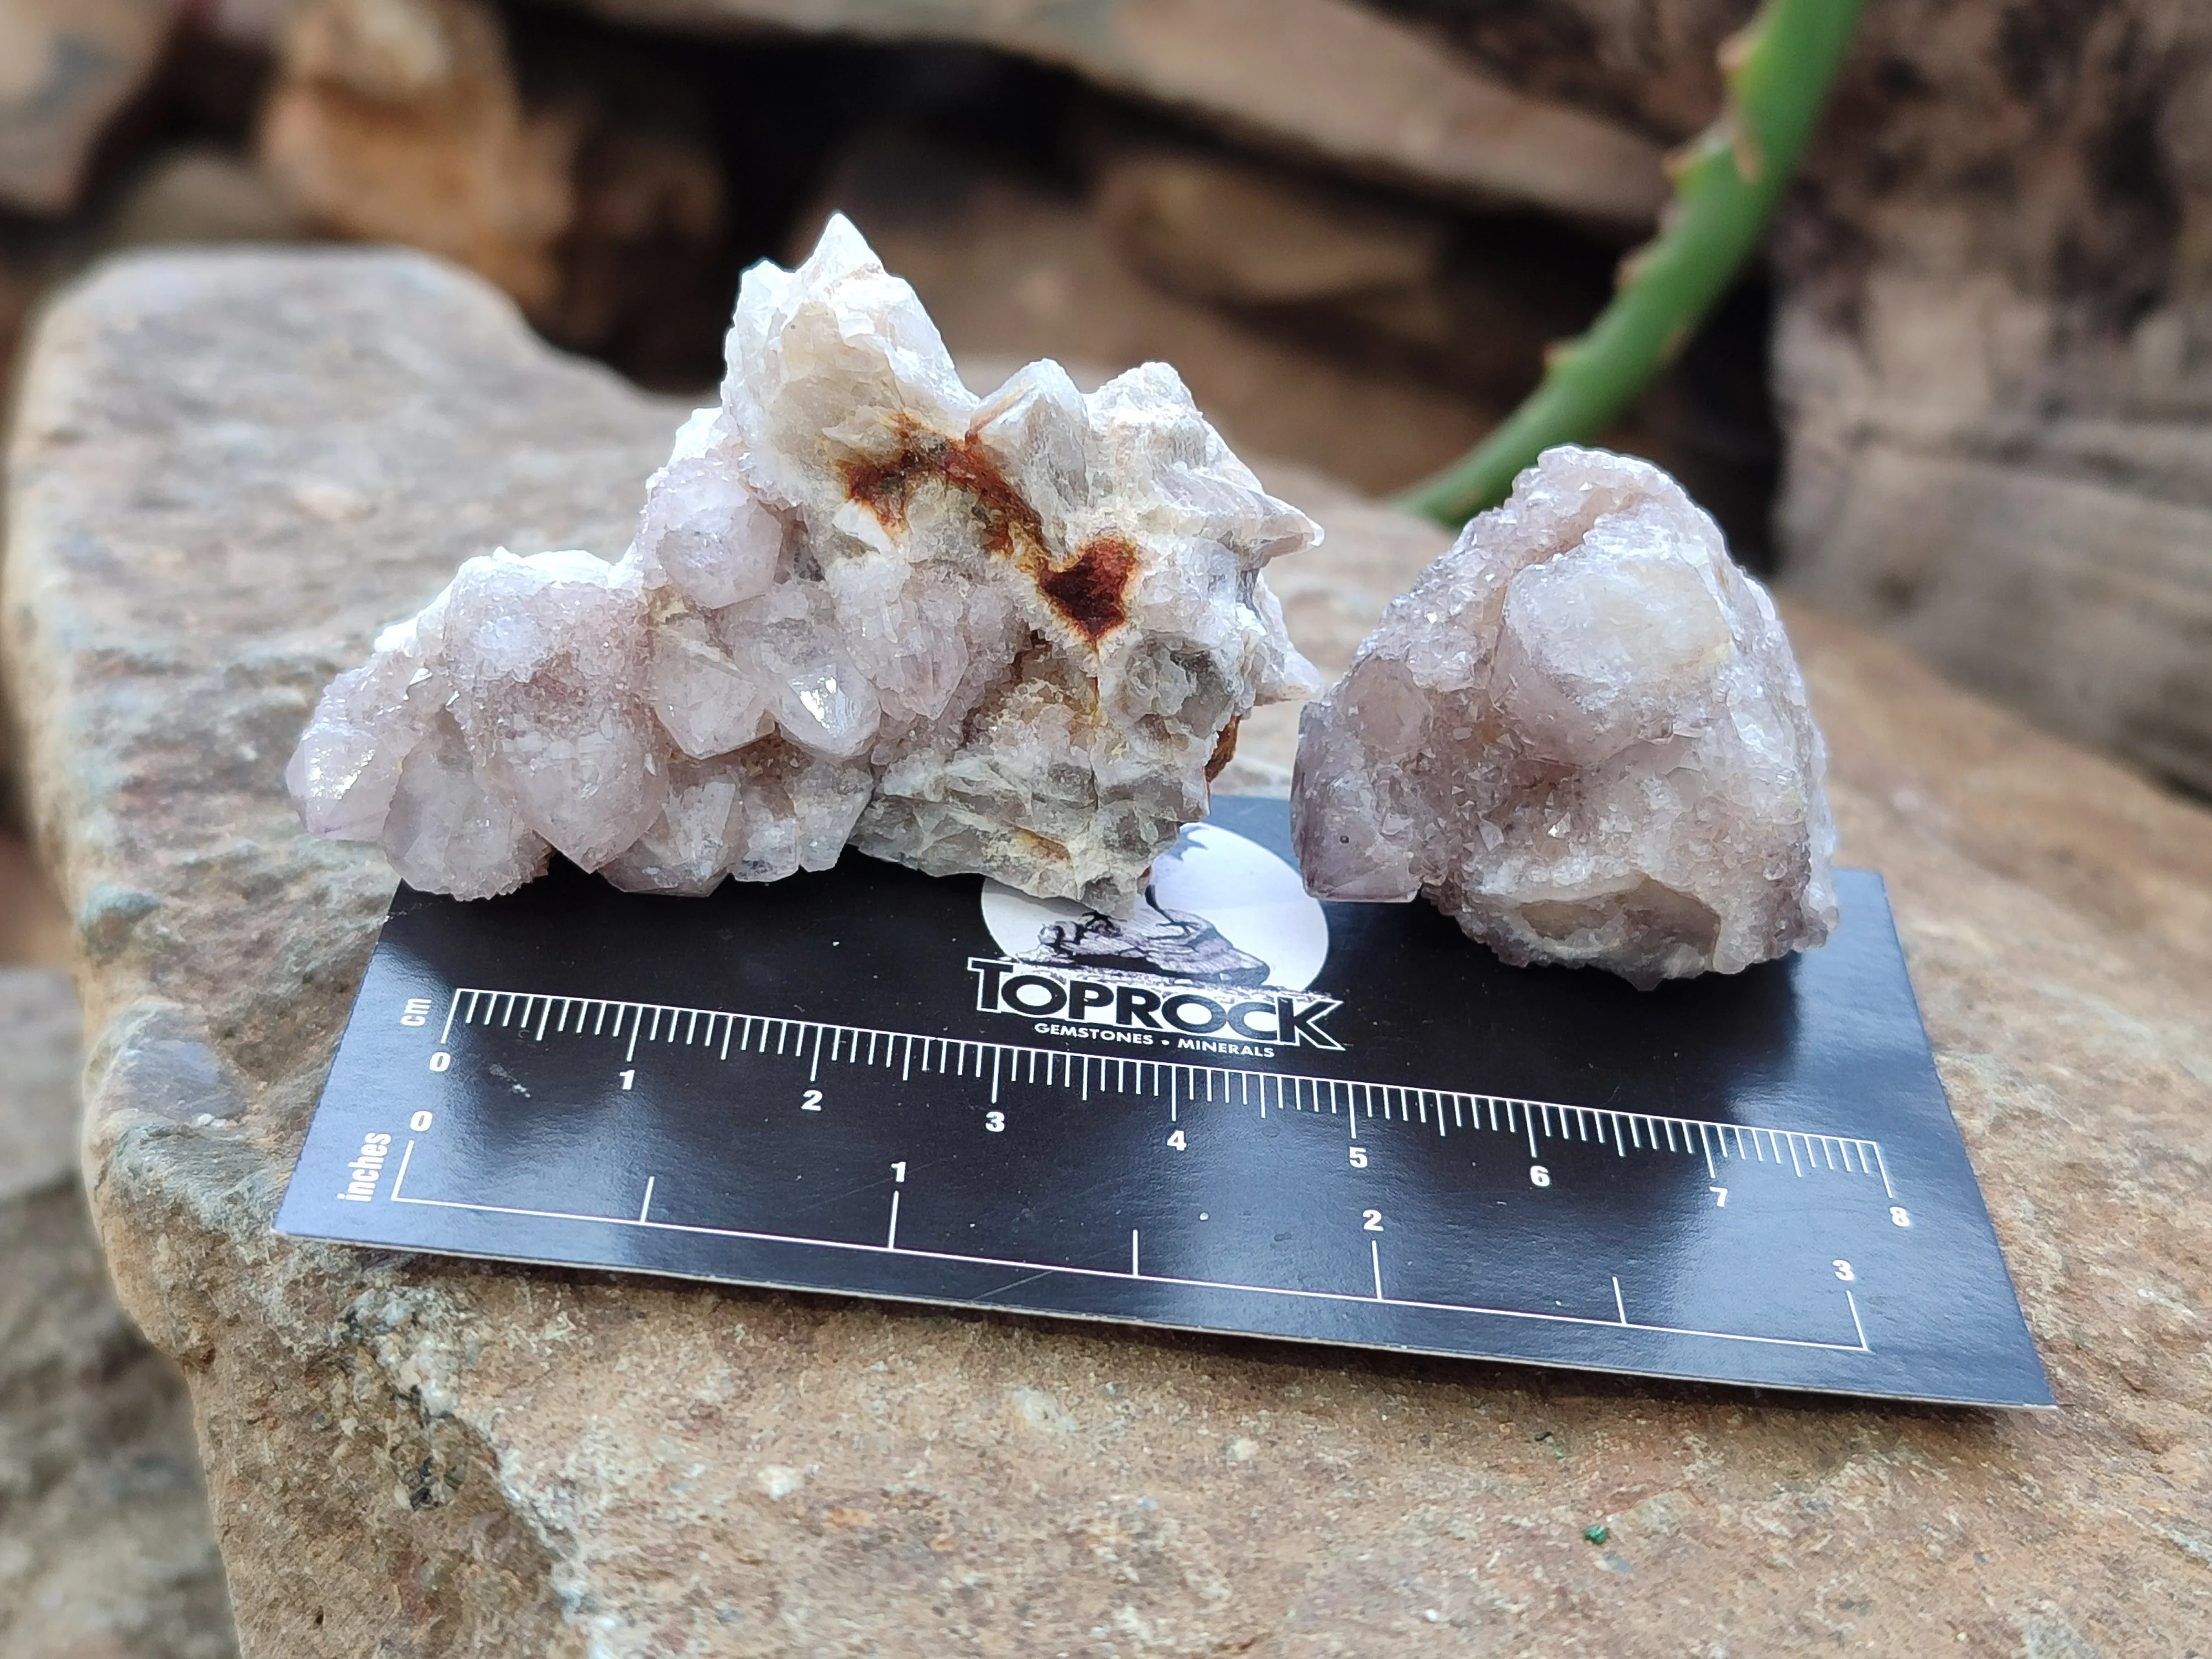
(1726, 182)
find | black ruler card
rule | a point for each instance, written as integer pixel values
(1240, 1110)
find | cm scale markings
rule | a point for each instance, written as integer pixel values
(724, 1032)
(816, 1040)
(538, 1017)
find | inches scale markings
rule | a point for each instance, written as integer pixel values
(1729, 1203)
(535, 1015)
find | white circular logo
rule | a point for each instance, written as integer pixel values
(1219, 910)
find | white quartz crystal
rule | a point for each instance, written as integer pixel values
(1583, 735)
(1009, 634)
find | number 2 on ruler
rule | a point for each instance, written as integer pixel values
(811, 1101)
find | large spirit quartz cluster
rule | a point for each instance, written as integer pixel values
(1583, 735)
(1011, 635)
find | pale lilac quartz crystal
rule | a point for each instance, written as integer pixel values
(503, 721)
(1010, 635)
(1583, 735)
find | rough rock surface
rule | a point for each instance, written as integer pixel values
(230, 470)
(1583, 735)
(105, 1544)
(1012, 636)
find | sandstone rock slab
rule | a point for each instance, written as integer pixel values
(1330, 76)
(230, 469)
(106, 1547)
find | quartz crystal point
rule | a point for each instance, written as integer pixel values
(1010, 635)
(1583, 735)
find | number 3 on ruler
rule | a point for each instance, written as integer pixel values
(995, 1122)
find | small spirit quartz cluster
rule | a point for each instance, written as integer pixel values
(1012, 634)
(1582, 735)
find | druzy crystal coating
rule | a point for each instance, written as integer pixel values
(1583, 735)
(1010, 634)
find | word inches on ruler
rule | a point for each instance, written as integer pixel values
(368, 1165)
(1152, 1012)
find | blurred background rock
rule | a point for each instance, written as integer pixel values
(1965, 398)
